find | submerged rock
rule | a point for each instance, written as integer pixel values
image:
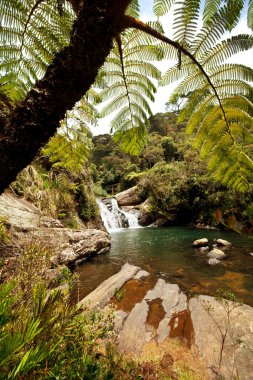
(105, 291)
(200, 242)
(216, 254)
(213, 261)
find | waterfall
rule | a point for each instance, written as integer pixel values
(114, 218)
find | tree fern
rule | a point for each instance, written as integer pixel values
(212, 86)
(31, 33)
(161, 7)
(130, 79)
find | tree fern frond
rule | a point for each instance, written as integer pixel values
(32, 31)
(226, 49)
(186, 21)
(174, 74)
(241, 134)
(231, 71)
(224, 20)
(132, 140)
(250, 15)
(211, 7)
(134, 8)
(161, 7)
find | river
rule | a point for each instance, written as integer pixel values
(168, 253)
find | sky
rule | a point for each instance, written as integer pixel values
(163, 93)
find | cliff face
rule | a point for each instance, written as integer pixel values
(27, 224)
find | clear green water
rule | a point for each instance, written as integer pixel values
(168, 253)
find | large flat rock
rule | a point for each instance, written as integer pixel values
(220, 331)
(224, 336)
(19, 212)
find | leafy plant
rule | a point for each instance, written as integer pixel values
(4, 234)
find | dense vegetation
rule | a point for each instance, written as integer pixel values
(52, 53)
(171, 175)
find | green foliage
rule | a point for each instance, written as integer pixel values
(128, 85)
(31, 33)
(218, 109)
(4, 234)
(41, 334)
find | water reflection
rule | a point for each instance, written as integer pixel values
(168, 252)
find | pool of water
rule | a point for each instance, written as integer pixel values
(168, 253)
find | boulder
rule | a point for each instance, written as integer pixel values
(223, 242)
(213, 261)
(129, 197)
(200, 243)
(216, 254)
(27, 224)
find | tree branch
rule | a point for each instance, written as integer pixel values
(131, 22)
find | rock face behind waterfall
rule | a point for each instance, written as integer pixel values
(130, 200)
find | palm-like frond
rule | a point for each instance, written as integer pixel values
(250, 15)
(134, 8)
(130, 77)
(219, 106)
(186, 21)
(31, 33)
(161, 7)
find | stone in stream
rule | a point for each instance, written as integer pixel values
(141, 274)
(213, 261)
(200, 243)
(223, 242)
(216, 254)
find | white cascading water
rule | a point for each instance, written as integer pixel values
(114, 218)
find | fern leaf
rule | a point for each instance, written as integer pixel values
(250, 15)
(161, 7)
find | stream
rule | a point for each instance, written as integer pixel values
(168, 253)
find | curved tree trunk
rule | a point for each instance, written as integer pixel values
(69, 76)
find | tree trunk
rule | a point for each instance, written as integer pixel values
(70, 75)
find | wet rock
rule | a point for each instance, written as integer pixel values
(216, 254)
(203, 249)
(223, 242)
(213, 261)
(105, 291)
(141, 274)
(200, 242)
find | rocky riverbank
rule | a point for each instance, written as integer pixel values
(26, 224)
(215, 329)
